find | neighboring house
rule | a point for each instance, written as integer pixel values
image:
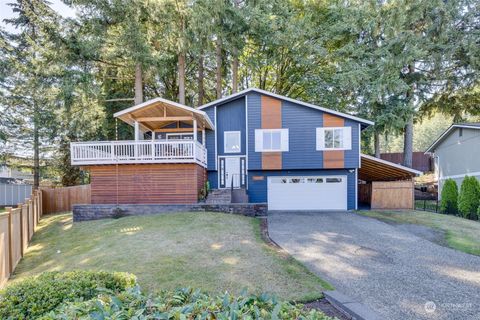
(456, 153)
(287, 153)
(7, 172)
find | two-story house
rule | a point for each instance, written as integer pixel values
(289, 154)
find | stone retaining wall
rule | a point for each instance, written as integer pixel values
(85, 212)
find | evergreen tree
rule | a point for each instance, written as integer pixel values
(449, 201)
(469, 198)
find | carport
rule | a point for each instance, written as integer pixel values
(385, 185)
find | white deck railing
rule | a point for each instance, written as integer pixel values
(124, 152)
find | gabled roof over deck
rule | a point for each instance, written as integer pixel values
(158, 113)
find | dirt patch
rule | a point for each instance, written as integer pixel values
(433, 235)
(327, 308)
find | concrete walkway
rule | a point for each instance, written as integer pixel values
(394, 272)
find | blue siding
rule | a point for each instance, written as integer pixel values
(213, 179)
(210, 143)
(257, 189)
(301, 123)
(254, 105)
(231, 117)
(352, 157)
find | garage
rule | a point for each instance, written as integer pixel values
(307, 193)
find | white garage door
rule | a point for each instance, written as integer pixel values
(307, 193)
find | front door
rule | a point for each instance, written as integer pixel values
(232, 172)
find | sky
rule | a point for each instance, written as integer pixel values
(6, 11)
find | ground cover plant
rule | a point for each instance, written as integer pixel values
(33, 297)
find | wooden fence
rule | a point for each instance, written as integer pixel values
(61, 199)
(17, 226)
(392, 195)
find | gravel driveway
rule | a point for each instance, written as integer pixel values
(391, 270)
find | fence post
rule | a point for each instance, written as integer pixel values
(20, 205)
(10, 244)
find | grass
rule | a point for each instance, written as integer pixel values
(212, 251)
(460, 234)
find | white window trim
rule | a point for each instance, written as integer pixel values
(347, 138)
(284, 140)
(239, 134)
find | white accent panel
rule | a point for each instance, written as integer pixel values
(284, 143)
(258, 140)
(347, 138)
(320, 139)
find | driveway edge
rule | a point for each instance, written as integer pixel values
(349, 306)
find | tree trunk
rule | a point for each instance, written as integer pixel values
(181, 77)
(218, 56)
(235, 71)
(36, 148)
(408, 143)
(201, 90)
(376, 139)
(408, 130)
(138, 84)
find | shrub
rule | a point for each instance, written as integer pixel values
(449, 201)
(183, 304)
(34, 297)
(469, 198)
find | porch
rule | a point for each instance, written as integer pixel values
(164, 132)
(139, 151)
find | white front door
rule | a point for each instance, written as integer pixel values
(232, 171)
(307, 193)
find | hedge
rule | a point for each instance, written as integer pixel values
(183, 304)
(449, 198)
(33, 297)
(469, 198)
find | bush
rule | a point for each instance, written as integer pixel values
(183, 304)
(469, 198)
(449, 199)
(34, 297)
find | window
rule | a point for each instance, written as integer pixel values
(179, 136)
(271, 140)
(334, 138)
(460, 132)
(231, 141)
(334, 180)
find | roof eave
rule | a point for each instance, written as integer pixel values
(238, 94)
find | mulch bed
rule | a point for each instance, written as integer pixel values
(327, 308)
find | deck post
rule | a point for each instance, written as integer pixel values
(203, 136)
(194, 129)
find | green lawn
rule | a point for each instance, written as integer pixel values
(460, 234)
(212, 251)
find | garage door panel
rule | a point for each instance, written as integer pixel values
(307, 193)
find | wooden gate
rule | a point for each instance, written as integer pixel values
(392, 195)
(61, 199)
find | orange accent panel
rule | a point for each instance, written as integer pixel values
(271, 113)
(271, 160)
(146, 183)
(332, 121)
(333, 159)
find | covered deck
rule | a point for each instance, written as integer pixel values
(177, 136)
